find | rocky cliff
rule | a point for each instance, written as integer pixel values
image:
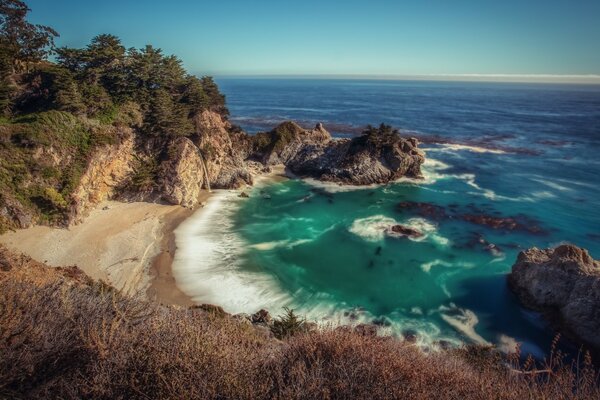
(564, 284)
(371, 158)
(107, 169)
(69, 175)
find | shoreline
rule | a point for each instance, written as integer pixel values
(128, 245)
(131, 246)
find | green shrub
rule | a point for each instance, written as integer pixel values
(288, 324)
(55, 198)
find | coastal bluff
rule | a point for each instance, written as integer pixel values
(564, 284)
(176, 169)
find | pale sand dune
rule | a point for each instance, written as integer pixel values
(117, 245)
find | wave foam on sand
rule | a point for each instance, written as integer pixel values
(208, 258)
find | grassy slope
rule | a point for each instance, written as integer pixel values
(42, 158)
(65, 336)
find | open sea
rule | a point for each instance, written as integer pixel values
(529, 152)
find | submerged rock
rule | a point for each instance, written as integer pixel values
(564, 284)
(427, 210)
(517, 223)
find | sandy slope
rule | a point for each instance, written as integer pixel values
(116, 243)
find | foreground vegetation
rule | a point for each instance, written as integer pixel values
(63, 335)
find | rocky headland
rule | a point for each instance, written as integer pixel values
(564, 284)
(176, 170)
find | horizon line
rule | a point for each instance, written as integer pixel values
(593, 79)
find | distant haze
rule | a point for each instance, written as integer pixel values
(532, 41)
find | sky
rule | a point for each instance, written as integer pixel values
(451, 39)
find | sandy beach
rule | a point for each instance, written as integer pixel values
(131, 246)
(128, 245)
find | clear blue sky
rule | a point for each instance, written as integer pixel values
(244, 37)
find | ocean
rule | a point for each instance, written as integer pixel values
(525, 154)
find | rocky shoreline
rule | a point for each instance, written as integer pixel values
(562, 283)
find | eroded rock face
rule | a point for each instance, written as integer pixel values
(563, 283)
(225, 159)
(181, 177)
(108, 168)
(364, 160)
(283, 143)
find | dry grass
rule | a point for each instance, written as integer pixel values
(66, 338)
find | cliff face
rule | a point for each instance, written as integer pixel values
(175, 169)
(108, 168)
(563, 283)
(182, 176)
(226, 165)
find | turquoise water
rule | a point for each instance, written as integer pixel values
(527, 152)
(329, 249)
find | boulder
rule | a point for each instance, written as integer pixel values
(261, 317)
(564, 284)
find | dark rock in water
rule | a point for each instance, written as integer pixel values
(517, 223)
(477, 241)
(244, 195)
(444, 344)
(404, 231)
(261, 317)
(366, 329)
(378, 251)
(410, 335)
(371, 264)
(427, 210)
(382, 321)
(564, 284)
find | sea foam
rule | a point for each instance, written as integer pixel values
(208, 259)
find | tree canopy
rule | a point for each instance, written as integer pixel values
(98, 79)
(23, 41)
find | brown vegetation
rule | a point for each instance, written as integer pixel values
(65, 336)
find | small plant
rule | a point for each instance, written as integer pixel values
(288, 324)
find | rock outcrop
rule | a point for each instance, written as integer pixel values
(182, 175)
(282, 144)
(108, 167)
(564, 284)
(226, 165)
(364, 160)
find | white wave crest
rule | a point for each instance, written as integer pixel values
(452, 147)
(372, 228)
(206, 264)
(375, 228)
(464, 321)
